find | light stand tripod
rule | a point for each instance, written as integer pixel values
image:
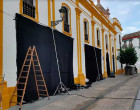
(61, 86)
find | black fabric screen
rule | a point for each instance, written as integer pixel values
(113, 59)
(29, 33)
(90, 63)
(107, 64)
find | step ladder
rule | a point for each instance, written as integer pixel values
(30, 59)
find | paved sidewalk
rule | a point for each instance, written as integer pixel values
(137, 102)
(109, 94)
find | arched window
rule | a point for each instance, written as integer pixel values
(86, 30)
(98, 37)
(67, 20)
(106, 41)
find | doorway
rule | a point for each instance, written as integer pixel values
(107, 64)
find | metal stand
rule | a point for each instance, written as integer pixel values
(98, 77)
(61, 86)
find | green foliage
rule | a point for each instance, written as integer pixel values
(127, 56)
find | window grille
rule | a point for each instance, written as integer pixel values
(28, 8)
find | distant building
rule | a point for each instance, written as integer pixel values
(133, 40)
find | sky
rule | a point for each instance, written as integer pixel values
(126, 11)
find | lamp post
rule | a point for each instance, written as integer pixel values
(61, 87)
(61, 11)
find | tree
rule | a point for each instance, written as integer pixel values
(127, 56)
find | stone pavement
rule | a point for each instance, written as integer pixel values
(109, 94)
(137, 102)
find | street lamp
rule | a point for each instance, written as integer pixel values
(61, 11)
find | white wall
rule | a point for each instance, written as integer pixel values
(43, 11)
(9, 34)
(11, 7)
(137, 48)
(118, 45)
(9, 41)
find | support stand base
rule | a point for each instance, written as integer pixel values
(61, 87)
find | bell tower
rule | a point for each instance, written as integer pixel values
(98, 1)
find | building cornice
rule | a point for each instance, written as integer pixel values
(98, 14)
(117, 23)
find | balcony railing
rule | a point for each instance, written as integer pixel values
(28, 9)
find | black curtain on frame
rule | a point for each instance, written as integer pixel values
(113, 59)
(29, 33)
(91, 64)
(107, 64)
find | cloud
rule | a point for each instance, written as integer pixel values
(137, 23)
(124, 12)
(136, 3)
(127, 11)
(130, 29)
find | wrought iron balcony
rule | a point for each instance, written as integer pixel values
(28, 9)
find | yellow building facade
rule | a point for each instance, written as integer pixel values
(87, 24)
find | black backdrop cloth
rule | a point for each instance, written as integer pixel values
(107, 64)
(113, 60)
(29, 33)
(90, 63)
